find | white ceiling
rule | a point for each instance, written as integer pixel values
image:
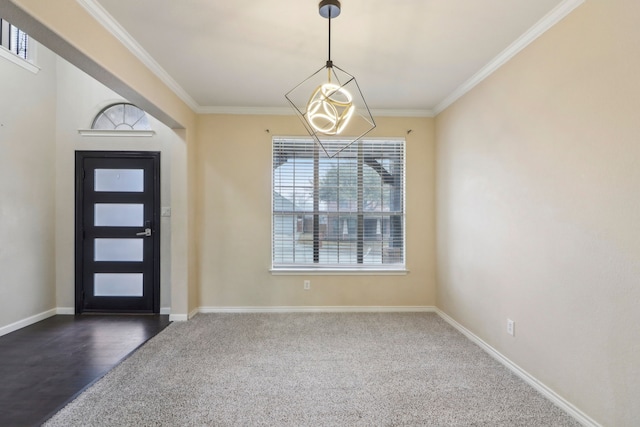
(409, 56)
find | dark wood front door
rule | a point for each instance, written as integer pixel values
(117, 232)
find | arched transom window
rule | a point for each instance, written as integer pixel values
(121, 117)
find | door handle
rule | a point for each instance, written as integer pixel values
(146, 232)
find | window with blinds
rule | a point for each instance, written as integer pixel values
(14, 39)
(345, 212)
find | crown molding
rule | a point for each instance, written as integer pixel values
(544, 24)
(259, 111)
(107, 21)
(287, 111)
(402, 113)
(548, 21)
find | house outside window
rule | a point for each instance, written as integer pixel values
(340, 213)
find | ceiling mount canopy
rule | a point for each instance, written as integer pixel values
(329, 8)
(329, 102)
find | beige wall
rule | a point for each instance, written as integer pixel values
(27, 177)
(538, 210)
(234, 220)
(537, 201)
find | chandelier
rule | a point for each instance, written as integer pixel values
(330, 103)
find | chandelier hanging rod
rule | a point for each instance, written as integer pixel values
(329, 63)
(329, 9)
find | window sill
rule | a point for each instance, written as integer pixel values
(12, 57)
(338, 271)
(121, 133)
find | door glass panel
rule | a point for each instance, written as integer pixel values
(119, 250)
(119, 215)
(117, 284)
(123, 180)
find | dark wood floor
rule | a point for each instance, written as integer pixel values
(43, 366)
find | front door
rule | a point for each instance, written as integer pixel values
(117, 232)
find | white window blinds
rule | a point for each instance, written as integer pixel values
(345, 212)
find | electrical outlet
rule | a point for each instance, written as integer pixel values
(307, 285)
(511, 327)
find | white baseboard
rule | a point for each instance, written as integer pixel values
(182, 317)
(320, 309)
(576, 413)
(4, 330)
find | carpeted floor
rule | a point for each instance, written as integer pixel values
(320, 369)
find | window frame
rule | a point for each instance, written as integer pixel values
(124, 121)
(7, 51)
(115, 129)
(359, 267)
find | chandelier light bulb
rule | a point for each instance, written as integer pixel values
(329, 109)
